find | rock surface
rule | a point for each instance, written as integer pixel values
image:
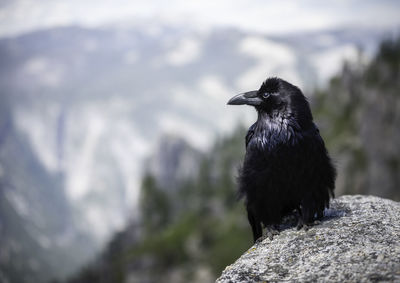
(358, 241)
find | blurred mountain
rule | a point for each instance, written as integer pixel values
(38, 238)
(88, 106)
(191, 231)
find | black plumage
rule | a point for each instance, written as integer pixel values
(286, 168)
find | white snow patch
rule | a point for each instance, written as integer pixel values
(41, 132)
(82, 154)
(186, 51)
(17, 202)
(206, 96)
(259, 47)
(131, 57)
(153, 30)
(129, 149)
(197, 136)
(42, 70)
(214, 88)
(187, 98)
(90, 45)
(102, 223)
(104, 151)
(325, 40)
(36, 65)
(223, 116)
(209, 95)
(329, 62)
(272, 59)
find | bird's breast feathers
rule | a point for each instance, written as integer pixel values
(267, 134)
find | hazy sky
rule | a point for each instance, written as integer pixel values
(17, 16)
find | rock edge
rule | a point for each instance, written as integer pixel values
(358, 240)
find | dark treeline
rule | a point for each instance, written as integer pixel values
(359, 116)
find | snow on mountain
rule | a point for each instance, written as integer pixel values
(271, 58)
(329, 61)
(186, 51)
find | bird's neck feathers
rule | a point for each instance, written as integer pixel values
(277, 121)
(293, 116)
(283, 126)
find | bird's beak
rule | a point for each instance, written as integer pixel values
(249, 98)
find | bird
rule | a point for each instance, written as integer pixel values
(286, 168)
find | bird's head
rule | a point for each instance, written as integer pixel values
(276, 98)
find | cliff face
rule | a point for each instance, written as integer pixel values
(38, 239)
(358, 240)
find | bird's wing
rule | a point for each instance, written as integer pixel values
(249, 134)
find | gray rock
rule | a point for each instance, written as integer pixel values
(357, 241)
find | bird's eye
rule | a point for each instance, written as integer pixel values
(265, 95)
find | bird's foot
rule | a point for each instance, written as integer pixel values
(271, 231)
(302, 225)
(259, 240)
(316, 222)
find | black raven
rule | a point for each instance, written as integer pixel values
(287, 168)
